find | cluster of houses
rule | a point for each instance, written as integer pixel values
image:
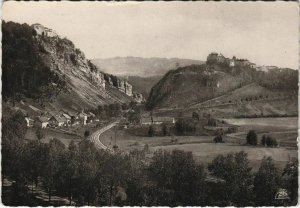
(60, 119)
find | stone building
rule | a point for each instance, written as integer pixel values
(220, 59)
(43, 31)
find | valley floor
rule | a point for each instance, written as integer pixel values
(205, 150)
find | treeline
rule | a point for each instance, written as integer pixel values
(88, 176)
(24, 73)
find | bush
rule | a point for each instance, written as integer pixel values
(195, 116)
(86, 133)
(151, 131)
(218, 139)
(268, 141)
(251, 138)
(165, 130)
(211, 122)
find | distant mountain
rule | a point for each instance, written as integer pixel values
(47, 72)
(143, 67)
(187, 86)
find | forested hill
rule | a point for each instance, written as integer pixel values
(198, 83)
(51, 72)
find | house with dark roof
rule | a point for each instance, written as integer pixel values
(67, 117)
(41, 121)
(56, 121)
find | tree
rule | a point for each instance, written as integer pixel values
(266, 183)
(151, 131)
(211, 122)
(218, 139)
(290, 180)
(264, 140)
(51, 173)
(86, 133)
(268, 141)
(164, 130)
(195, 116)
(178, 179)
(39, 133)
(251, 138)
(235, 171)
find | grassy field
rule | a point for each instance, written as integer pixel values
(65, 138)
(282, 123)
(205, 150)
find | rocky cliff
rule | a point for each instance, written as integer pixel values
(51, 73)
(187, 86)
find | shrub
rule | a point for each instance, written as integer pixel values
(195, 116)
(86, 133)
(251, 138)
(268, 141)
(218, 139)
(151, 131)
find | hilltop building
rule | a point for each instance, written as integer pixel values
(220, 59)
(44, 31)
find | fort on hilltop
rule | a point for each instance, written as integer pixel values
(232, 62)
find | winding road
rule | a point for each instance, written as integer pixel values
(95, 137)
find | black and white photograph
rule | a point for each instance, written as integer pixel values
(149, 104)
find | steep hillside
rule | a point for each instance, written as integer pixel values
(50, 73)
(187, 86)
(144, 67)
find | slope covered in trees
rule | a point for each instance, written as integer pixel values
(86, 176)
(51, 72)
(24, 72)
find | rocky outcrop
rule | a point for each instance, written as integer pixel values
(198, 83)
(43, 63)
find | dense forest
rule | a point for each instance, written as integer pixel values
(87, 176)
(23, 70)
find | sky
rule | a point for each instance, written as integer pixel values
(266, 33)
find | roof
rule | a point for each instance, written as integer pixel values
(71, 114)
(66, 116)
(43, 119)
(59, 119)
(91, 114)
(82, 114)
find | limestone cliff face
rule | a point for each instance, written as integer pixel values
(186, 86)
(39, 61)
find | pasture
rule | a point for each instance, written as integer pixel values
(205, 150)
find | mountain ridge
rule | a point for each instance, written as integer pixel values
(139, 66)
